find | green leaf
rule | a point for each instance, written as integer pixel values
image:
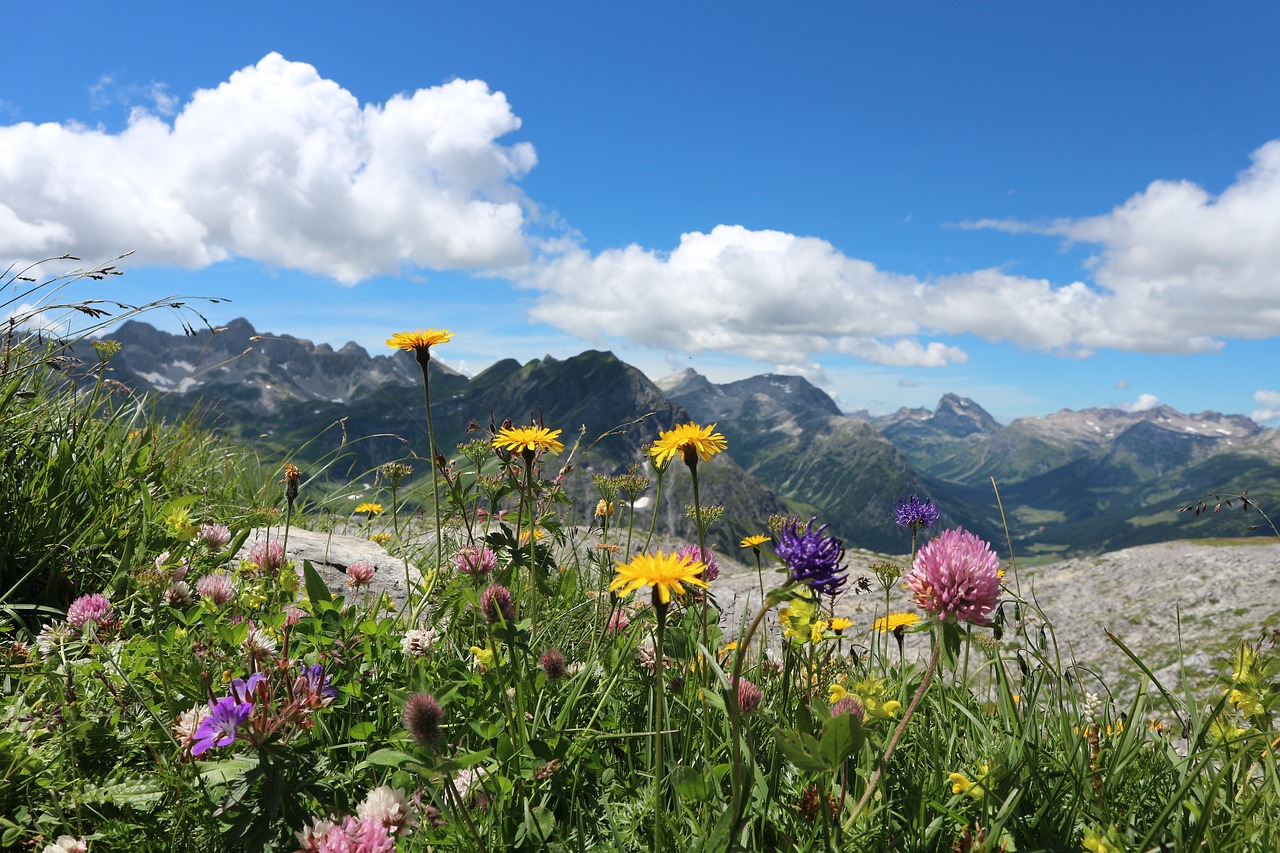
(223, 772)
(842, 738)
(690, 783)
(387, 757)
(539, 822)
(316, 589)
(802, 750)
(361, 731)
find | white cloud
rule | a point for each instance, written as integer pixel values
(282, 166)
(1121, 385)
(1144, 402)
(1269, 403)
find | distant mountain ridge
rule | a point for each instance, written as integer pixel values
(1070, 482)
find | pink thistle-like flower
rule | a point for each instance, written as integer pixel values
(475, 560)
(94, 607)
(749, 696)
(268, 555)
(956, 577)
(214, 536)
(711, 568)
(496, 604)
(552, 663)
(618, 622)
(216, 588)
(359, 574)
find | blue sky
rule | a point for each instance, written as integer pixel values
(1037, 207)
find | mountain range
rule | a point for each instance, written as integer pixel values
(1068, 483)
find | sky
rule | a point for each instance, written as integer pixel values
(1036, 206)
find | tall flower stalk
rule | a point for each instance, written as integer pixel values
(419, 343)
(529, 442)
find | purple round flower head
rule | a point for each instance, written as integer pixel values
(94, 607)
(711, 569)
(850, 705)
(552, 662)
(748, 696)
(911, 514)
(219, 729)
(217, 588)
(422, 717)
(214, 536)
(812, 556)
(496, 604)
(956, 576)
(268, 555)
(475, 560)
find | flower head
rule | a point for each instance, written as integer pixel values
(912, 514)
(895, 621)
(422, 717)
(94, 607)
(370, 508)
(552, 663)
(214, 536)
(68, 843)
(755, 541)
(475, 560)
(496, 604)
(955, 577)
(268, 554)
(812, 556)
(690, 441)
(219, 728)
(618, 622)
(662, 572)
(849, 705)
(417, 642)
(708, 558)
(748, 696)
(419, 342)
(216, 588)
(528, 440)
(360, 574)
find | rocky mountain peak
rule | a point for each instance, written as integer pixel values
(960, 416)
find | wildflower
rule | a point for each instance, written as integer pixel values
(528, 440)
(911, 514)
(395, 472)
(292, 479)
(818, 631)
(647, 659)
(216, 588)
(900, 620)
(293, 615)
(389, 806)
(496, 604)
(960, 784)
(755, 541)
(219, 728)
(813, 557)
(359, 574)
(268, 555)
(618, 622)
(482, 658)
(94, 607)
(67, 843)
(214, 536)
(179, 523)
(417, 642)
(552, 663)
(422, 718)
(840, 624)
(177, 594)
(604, 508)
(380, 538)
(370, 509)
(420, 342)
(711, 569)
(1097, 841)
(312, 685)
(748, 696)
(690, 441)
(850, 705)
(662, 572)
(184, 730)
(52, 637)
(954, 578)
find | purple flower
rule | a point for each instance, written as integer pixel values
(93, 607)
(268, 555)
(956, 576)
(552, 662)
(496, 604)
(359, 574)
(711, 569)
(217, 588)
(850, 705)
(475, 560)
(242, 690)
(219, 728)
(313, 682)
(422, 717)
(215, 536)
(748, 696)
(812, 556)
(910, 514)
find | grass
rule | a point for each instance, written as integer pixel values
(547, 714)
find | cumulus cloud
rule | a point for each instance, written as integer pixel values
(1144, 402)
(280, 165)
(1269, 406)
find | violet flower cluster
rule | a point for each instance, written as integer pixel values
(257, 710)
(812, 556)
(711, 567)
(913, 514)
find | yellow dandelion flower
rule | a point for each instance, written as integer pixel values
(755, 541)
(420, 341)
(528, 440)
(538, 535)
(840, 624)
(690, 441)
(371, 508)
(894, 621)
(380, 538)
(662, 572)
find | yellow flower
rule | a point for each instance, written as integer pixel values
(380, 538)
(1248, 704)
(180, 524)
(662, 572)
(604, 508)
(894, 621)
(1096, 841)
(755, 541)
(727, 649)
(891, 708)
(837, 692)
(818, 631)
(538, 536)
(420, 341)
(371, 508)
(690, 441)
(960, 784)
(528, 439)
(482, 657)
(840, 623)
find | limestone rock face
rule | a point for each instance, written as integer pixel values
(331, 553)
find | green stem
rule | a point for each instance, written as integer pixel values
(424, 359)
(735, 724)
(659, 695)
